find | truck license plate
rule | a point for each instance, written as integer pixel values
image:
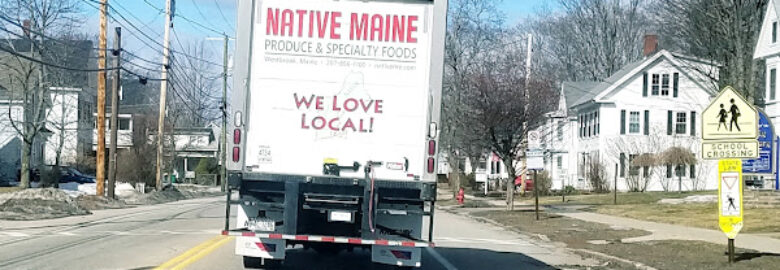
(262, 225)
(341, 216)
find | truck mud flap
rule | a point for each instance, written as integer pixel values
(400, 256)
(260, 247)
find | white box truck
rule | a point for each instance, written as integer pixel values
(334, 127)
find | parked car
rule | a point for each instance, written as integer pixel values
(35, 175)
(69, 174)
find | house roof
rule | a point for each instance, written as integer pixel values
(777, 7)
(573, 92)
(598, 90)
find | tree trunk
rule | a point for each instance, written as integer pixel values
(510, 185)
(25, 171)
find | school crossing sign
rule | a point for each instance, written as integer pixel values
(729, 127)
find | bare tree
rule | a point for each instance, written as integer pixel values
(590, 39)
(723, 30)
(29, 80)
(679, 157)
(472, 27)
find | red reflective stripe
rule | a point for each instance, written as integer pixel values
(407, 244)
(261, 246)
(225, 233)
(275, 236)
(328, 239)
(247, 234)
(382, 242)
(431, 245)
(302, 237)
(354, 241)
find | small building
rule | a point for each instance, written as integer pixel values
(768, 49)
(646, 107)
(192, 145)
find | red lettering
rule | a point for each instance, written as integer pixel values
(362, 129)
(348, 124)
(304, 101)
(378, 106)
(334, 25)
(330, 124)
(272, 22)
(398, 28)
(366, 106)
(410, 29)
(318, 122)
(322, 23)
(318, 105)
(287, 22)
(303, 122)
(352, 107)
(387, 27)
(358, 30)
(335, 103)
(311, 24)
(376, 27)
(301, 14)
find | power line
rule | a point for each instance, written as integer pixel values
(31, 59)
(186, 19)
(219, 8)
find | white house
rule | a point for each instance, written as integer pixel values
(124, 133)
(768, 49)
(645, 108)
(70, 125)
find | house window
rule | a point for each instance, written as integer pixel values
(124, 124)
(633, 122)
(559, 162)
(679, 171)
(656, 84)
(772, 83)
(665, 85)
(598, 125)
(632, 170)
(560, 130)
(680, 126)
(774, 32)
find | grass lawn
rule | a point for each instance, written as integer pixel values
(702, 215)
(667, 254)
(8, 189)
(623, 198)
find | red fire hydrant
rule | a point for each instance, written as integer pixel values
(461, 196)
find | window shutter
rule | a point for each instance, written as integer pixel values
(622, 165)
(693, 171)
(675, 84)
(693, 123)
(669, 123)
(668, 171)
(644, 84)
(622, 122)
(647, 122)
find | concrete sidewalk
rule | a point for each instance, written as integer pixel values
(663, 231)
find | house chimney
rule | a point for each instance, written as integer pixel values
(26, 28)
(651, 45)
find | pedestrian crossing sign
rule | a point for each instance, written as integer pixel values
(729, 116)
(730, 208)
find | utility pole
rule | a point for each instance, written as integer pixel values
(114, 110)
(223, 158)
(163, 92)
(100, 173)
(524, 143)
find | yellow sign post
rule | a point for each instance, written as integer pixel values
(730, 207)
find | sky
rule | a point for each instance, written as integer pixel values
(213, 16)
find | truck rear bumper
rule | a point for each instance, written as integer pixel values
(329, 239)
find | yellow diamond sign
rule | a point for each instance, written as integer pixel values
(729, 116)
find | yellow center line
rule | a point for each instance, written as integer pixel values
(203, 253)
(190, 252)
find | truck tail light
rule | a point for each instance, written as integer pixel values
(431, 147)
(236, 154)
(431, 164)
(236, 136)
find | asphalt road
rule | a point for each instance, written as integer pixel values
(185, 235)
